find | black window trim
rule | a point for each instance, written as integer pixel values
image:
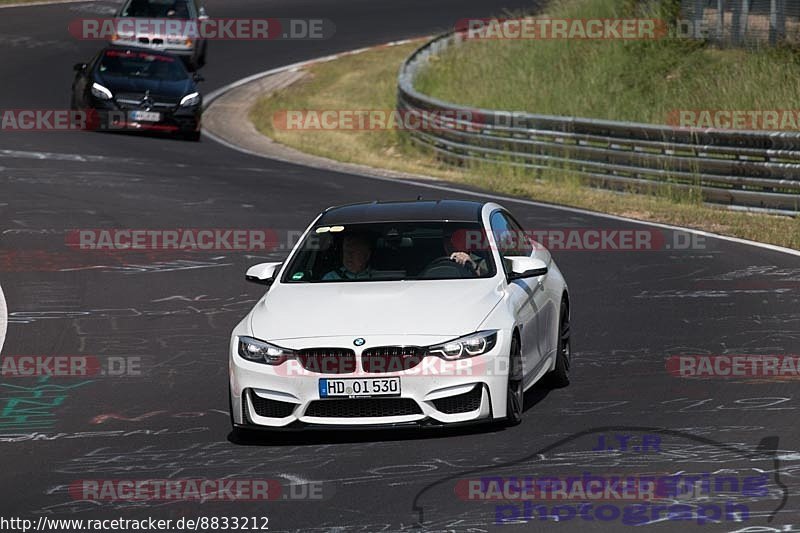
(510, 218)
(283, 277)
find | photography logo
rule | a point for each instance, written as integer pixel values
(627, 475)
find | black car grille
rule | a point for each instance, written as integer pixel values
(328, 360)
(268, 408)
(134, 101)
(363, 407)
(461, 403)
(391, 358)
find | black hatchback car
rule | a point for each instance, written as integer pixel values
(139, 89)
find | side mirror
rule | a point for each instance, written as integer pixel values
(79, 67)
(263, 273)
(198, 77)
(525, 267)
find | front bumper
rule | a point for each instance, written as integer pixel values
(182, 51)
(436, 392)
(109, 116)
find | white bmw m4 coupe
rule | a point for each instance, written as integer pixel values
(401, 313)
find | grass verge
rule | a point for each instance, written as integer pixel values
(368, 81)
(636, 80)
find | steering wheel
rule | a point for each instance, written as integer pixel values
(445, 267)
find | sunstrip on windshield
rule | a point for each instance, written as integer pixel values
(149, 56)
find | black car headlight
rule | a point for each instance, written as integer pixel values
(469, 346)
(190, 100)
(100, 92)
(263, 352)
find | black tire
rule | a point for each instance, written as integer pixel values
(242, 435)
(515, 393)
(190, 63)
(201, 62)
(559, 376)
(74, 120)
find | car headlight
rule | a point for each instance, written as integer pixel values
(263, 352)
(101, 92)
(463, 347)
(190, 100)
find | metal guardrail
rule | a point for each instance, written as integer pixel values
(743, 168)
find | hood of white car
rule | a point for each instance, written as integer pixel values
(446, 308)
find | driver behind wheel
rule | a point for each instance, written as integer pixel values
(356, 253)
(473, 261)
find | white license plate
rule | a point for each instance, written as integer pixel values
(329, 388)
(145, 116)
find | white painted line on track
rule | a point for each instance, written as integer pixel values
(52, 156)
(46, 3)
(294, 66)
(3, 319)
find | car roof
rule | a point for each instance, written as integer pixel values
(419, 210)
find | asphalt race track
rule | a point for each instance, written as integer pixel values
(631, 311)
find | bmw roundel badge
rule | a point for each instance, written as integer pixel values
(359, 342)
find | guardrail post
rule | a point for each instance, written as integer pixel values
(777, 21)
(698, 8)
(736, 22)
(741, 27)
(698, 24)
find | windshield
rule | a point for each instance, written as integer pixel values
(390, 251)
(131, 64)
(178, 9)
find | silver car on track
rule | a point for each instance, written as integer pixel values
(152, 35)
